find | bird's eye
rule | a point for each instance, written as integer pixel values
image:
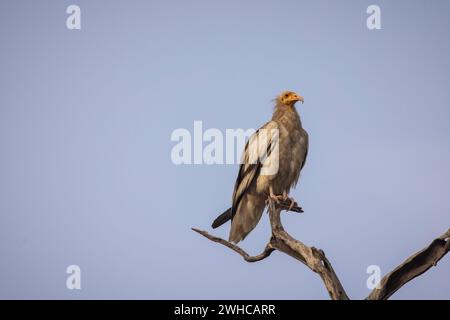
(286, 95)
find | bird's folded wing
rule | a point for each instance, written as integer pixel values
(257, 149)
(305, 140)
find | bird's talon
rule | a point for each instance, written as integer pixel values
(274, 198)
(292, 205)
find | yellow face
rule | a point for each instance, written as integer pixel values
(289, 98)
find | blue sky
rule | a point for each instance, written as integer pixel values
(86, 118)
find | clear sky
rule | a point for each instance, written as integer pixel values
(86, 116)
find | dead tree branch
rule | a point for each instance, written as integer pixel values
(316, 260)
(313, 258)
(413, 267)
(267, 251)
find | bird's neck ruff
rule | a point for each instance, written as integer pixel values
(286, 113)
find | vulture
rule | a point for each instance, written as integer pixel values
(270, 166)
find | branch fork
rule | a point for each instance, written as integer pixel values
(316, 260)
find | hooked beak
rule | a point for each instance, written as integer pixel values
(299, 98)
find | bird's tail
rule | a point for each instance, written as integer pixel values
(220, 220)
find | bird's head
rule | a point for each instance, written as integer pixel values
(289, 98)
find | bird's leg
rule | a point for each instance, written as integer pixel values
(286, 197)
(272, 198)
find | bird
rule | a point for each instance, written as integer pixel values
(268, 171)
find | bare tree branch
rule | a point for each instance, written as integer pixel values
(413, 267)
(284, 205)
(316, 260)
(313, 258)
(267, 251)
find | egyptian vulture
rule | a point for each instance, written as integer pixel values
(271, 163)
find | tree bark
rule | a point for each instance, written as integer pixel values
(412, 267)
